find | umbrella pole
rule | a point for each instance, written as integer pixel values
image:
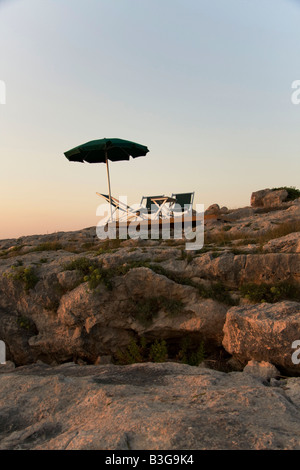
(109, 191)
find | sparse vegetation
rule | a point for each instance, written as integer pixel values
(293, 193)
(26, 275)
(216, 290)
(280, 230)
(19, 262)
(270, 292)
(185, 255)
(146, 309)
(91, 271)
(11, 252)
(109, 245)
(222, 237)
(158, 351)
(48, 246)
(139, 350)
(216, 254)
(134, 353)
(190, 354)
(24, 322)
(82, 265)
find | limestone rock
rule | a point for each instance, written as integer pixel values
(69, 279)
(239, 214)
(264, 332)
(261, 369)
(288, 244)
(9, 365)
(148, 406)
(214, 209)
(235, 270)
(61, 319)
(83, 324)
(268, 198)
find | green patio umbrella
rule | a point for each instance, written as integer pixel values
(100, 151)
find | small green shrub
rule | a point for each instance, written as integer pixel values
(24, 322)
(26, 275)
(158, 351)
(293, 193)
(137, 351)
(48, 246)
(91, 271)
(270, 292)
(191, 354)
(219, 292)
(134, 353)
(9, 253)
(79, 264)
(97, 276)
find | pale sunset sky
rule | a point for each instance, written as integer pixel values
(204, 84)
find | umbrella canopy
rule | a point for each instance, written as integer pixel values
(100, 151)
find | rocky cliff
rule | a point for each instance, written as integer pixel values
(70, 297)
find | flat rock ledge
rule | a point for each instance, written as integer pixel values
(167, 406)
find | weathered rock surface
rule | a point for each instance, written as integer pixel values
(288, 244)
(261, 369)
(66, 321)
(240, 214)
(213, 209)
(156, 291)
(268, 198)
(61, 318)
(147, 406)
(238, 269)
(264, 332)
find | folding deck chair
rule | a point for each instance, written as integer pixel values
(121, 208)
(183, 204)
(161, 202)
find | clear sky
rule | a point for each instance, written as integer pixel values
(205, 84)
